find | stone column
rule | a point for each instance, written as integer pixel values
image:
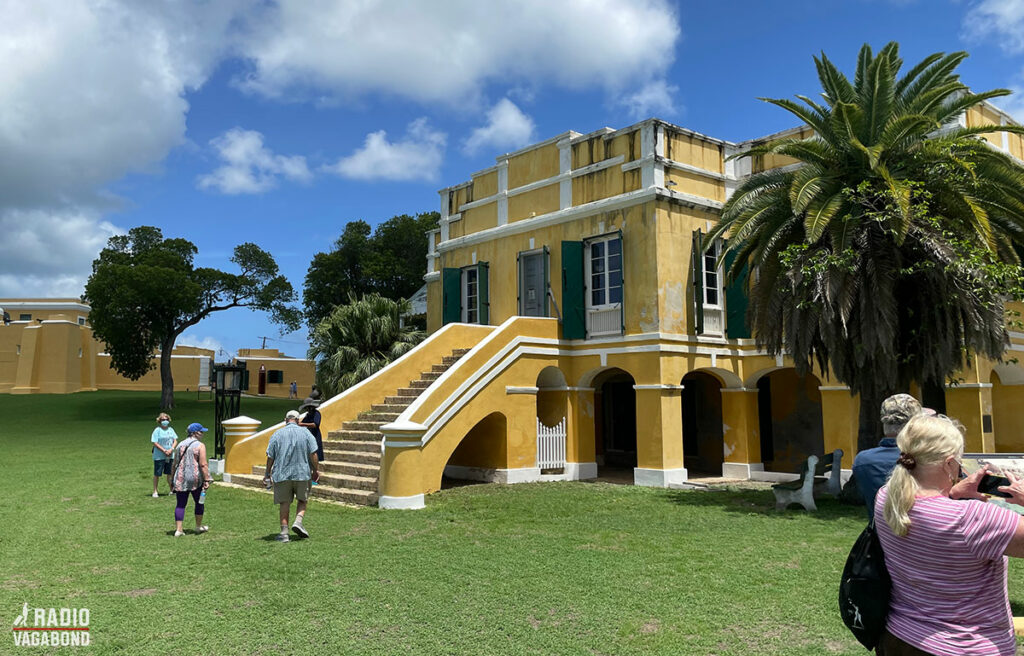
(741, 433)
(659, 435)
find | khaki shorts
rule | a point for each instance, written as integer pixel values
(285, 491)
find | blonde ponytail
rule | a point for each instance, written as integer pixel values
(923, 441)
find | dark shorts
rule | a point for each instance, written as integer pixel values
(161, 467)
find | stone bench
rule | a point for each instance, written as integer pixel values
(816, 475)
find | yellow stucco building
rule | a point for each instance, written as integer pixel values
(49, 348)
(567, 290)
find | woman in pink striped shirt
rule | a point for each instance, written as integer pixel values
(947, 557)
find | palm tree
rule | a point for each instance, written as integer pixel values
(885, 252)
(358, 339)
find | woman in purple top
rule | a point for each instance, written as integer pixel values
(947, 557)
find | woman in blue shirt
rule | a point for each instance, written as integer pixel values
(164, 440)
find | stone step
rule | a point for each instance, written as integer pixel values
(438, 368)
(352, 445)
(382, 417)
(352, 457)
(420, 384)
(338, 479)
(362, 425)
(355, 435)
(408, 391)
(357, 497)
(392, 408)
(449, 360)
(366, 470)
(403, 401)
(460, 352)
(429, 376)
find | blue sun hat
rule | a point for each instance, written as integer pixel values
(196, 427)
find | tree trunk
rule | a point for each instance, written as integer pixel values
(869, 432)
(166, 377)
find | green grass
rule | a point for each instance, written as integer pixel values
(553, 568)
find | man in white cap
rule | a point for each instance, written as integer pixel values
(291, 463)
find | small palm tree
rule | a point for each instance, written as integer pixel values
(885, 253)
(358, 339)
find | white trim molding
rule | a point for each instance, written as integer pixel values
(415, 502)
(510, 389)
(658, 477)
(969, 386)
(659, 387)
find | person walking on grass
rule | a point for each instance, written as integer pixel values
(164, 440)
(291, 464)
(191, 476)
(311, 422)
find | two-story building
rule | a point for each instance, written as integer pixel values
(569, 281)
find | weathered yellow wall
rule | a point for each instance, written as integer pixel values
(433, 305)
(695, 151)
(184, 370)
(696, 184)
(531, 166)
(533, 203)
(476, 219)
(1007, 419)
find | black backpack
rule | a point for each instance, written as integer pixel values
(865, 589)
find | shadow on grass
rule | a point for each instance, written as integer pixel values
(762, 502)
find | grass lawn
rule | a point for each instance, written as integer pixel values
(558, 568)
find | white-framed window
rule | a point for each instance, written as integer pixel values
(603, 261)
(24, 317)
(81, 321)
(470, 295)
(713, 276)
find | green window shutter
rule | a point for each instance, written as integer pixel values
(574, 325)
(451, 296)
(483, 298)
(736, 302)
(547, 281)
(245, 379)
(697, 271)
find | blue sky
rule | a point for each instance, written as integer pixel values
(278, 122)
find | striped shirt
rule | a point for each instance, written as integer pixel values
(949, 576)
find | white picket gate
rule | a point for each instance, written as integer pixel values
(551, 445)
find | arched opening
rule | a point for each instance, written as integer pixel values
(552, 422)
(933, 395)
(615, 421)
(1007, 420)
(789, 419)
(479, 455)
(703, 449)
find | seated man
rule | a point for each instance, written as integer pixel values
(871, 467)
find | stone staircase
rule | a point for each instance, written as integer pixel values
(350, 472)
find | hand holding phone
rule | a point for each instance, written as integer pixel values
(990, 485)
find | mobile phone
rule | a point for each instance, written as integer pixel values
(990, 484)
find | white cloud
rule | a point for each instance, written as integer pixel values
(416, 157)
(654, 99)
(46, 253)
(192, 339)
(250, 167)
(507, 127)
(448, 51)
(1002, 19)
(89, 91)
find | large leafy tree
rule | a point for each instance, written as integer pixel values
(358, 339)
(390, 262)
(885, 253)
(145, 291)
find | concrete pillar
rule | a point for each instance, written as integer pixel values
(401, 478)
(970, 403)
(659, 435)
(741, 433)
(840, 419)
(580, 449)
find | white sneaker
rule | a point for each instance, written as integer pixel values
(202, 529)
(155, 495)
(178, 534)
